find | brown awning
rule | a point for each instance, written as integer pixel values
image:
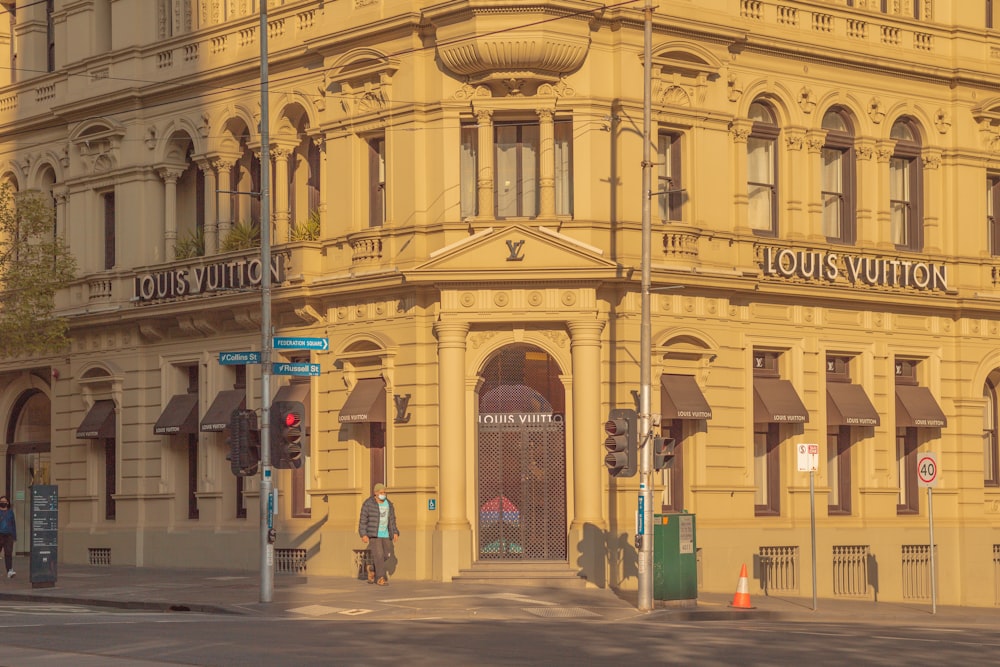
(221, 411)
(848, 405)
(682, 398)
(296, 391)
(775, 401)
(179, 417)
(365, 404)
(29, 447)
(99, 422)
(915, 406)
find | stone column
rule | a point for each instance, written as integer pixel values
(169, 176)
(209, 214)
(484, 182)
(866, 234)
(323, 175)
(546, 164)
(453, 532)
(814, 140)
(883, 210)
(61, 196)
(739, 131)
(933, 197)
(589, 527)
(224, 169)
(282, 213)
(791, 224)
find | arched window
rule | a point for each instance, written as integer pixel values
(762, 168)
(905, 186)
(838, 178)
(991, 470)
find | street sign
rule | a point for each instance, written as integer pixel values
(808, 458)
(238, 358)
(927, 470)
(295, 369)
(291, 343)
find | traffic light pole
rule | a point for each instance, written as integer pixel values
(645, 548)
(266, 497)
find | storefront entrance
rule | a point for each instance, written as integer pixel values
(28, 459)
(521, 487)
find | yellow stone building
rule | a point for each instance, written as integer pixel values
(456, 204)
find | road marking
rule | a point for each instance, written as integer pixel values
(513, 597)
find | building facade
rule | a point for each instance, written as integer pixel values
(456, 204)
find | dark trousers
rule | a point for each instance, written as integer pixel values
(381, 551)
(7, 546)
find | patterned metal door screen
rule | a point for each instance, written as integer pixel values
(522, 474)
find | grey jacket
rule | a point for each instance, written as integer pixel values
(368, 523)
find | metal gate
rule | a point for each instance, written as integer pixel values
(521, 488)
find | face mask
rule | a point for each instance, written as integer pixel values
(381, 496)
(4, 506)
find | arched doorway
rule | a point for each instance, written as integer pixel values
(28, 458)
(521, 457)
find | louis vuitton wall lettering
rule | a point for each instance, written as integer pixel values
(186, 281)
(858, 270)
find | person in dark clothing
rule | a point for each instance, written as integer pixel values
(8, 535)
(377, 528)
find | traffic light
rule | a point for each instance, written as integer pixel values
(663, 452)
(288, 438)
(244, 443)
(622, 442)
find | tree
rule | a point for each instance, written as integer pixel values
(34, 264)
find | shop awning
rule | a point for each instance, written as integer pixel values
(365, 404)
(179, 417)
(848, 405)
(221, 411)
(296, 391)
(682, 398)
(99, 422)
(915, 406)
(775, 401)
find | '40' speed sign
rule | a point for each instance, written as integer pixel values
(927, 470)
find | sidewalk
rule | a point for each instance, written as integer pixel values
(343, 598)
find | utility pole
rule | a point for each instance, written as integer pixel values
(645, 578)
(266, 493)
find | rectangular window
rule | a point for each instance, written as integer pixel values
(192, 452)
(50, 36)
(989, 14)
(108, 200)
(906, 471)
(376, 182)
(668, 183)
(469, 171)
(516, 167)
(673, 474)
(900, 200)
(761, 183)
(110, 478)
(834, 208)
(838, 451)
(993, 213)
(766, 470)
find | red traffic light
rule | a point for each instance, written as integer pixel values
(292, 419)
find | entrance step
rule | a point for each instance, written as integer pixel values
(552, 574)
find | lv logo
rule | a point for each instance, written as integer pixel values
(402, 402)
(515, 250)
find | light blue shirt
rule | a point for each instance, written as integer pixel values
(383, 519)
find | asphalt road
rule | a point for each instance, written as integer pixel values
(54, 634)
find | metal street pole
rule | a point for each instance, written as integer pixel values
(266, 494)
(645, 578)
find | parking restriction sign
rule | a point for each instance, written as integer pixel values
(927, 470)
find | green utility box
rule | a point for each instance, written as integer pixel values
(675, 560)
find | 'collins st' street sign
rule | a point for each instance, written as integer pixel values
(238, 358)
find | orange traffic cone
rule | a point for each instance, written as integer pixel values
(741, 600)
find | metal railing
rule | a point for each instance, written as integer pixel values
(916, 568)
(777, 568)
(289, 561)
(850, 570)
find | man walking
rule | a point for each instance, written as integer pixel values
(377, 528)
(8, 534)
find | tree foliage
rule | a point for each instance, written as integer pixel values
(34, 265)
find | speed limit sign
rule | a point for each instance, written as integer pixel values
(927, 470)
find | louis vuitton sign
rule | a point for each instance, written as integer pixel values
(239, 274)
(832, 267)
